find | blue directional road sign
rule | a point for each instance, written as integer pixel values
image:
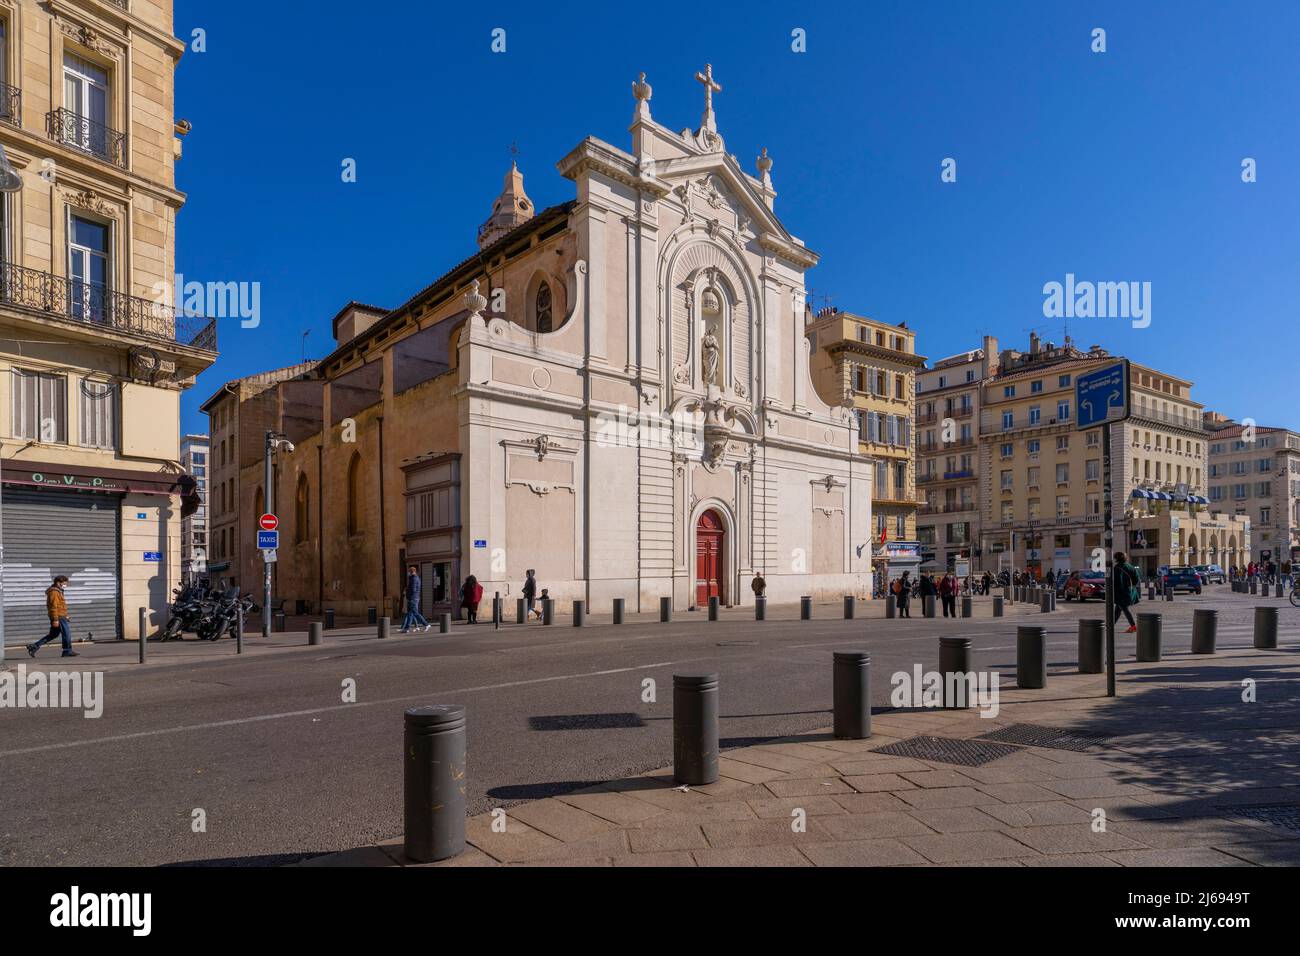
(1101, 397)
(268, 540)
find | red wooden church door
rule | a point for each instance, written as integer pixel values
(709, 541)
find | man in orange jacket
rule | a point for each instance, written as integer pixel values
(56, 606)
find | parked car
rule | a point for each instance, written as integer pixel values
(1081, 585)
(1211, 574)
(1182, 578)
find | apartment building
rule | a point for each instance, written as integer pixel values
(948, 399)
(194, 526)
(872, 366)
(91, 366)
(1042, 479)
(1254, 471)
(239, 414)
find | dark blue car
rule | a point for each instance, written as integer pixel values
(1182, 579)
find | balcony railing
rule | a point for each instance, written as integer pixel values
(11, 105)
(84, 134)
(94, 305)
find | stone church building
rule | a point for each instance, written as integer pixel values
(614, 391)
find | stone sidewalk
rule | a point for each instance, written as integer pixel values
(1177, 770)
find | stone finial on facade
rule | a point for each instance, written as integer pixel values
(475, 303)
(765, 168)
(642, 91)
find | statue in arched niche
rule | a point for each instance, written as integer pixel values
(710, 355)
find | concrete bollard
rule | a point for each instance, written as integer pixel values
(314, 632)
(695, 728)
(851, 681)
(1205, 630)
(891, 605)
(760, 608)
(278, 620)
(927, 606)
(997, 606)
(548, 611)
(1031, 656)
(619, 604)
(579, 613)
(383, 628)
(713, 607)
(1266, 628)
(954, 658)
(967, 606)
(805, 608)
(1092, 653)
(433, 782)
(850, 606)
(521, 611)
(444, 622)
(372, 615)
(329, 619)
(143, 632)
(1148, 637)
(665, 610)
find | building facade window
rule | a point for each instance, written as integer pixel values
(98, 418)
(40, 407)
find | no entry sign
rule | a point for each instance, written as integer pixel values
(268, 522)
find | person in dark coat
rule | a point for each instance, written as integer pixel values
(903, 594)
(530, 594)
(1124, 582)
(948, 593)
(471, 593)
(414, 586)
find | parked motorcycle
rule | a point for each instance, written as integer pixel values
(188, 607)
(223, 615)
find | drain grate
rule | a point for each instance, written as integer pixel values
(1278, 814)
(967, 753)
(1053, 738)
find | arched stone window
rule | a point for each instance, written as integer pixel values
(354, 494)
(301, 511)
(542, 308)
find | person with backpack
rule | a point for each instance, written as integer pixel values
(902, 588)
(1124, 582)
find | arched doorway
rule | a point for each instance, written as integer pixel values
(710, 547)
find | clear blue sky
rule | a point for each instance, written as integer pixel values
(1122, 166)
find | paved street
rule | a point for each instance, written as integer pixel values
(284, 769)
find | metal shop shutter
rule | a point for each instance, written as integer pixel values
(51, 532)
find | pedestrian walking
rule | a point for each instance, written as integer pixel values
(1124, 581)
(530, 594)
(414, 587)
(56, 607)
(948, 594)
(471, 593)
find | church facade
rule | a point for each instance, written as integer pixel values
(614, 392)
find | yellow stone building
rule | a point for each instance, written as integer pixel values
(872, 367)
(91, 365)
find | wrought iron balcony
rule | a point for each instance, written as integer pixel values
(84, 134)
(92, 304)
(11, 105)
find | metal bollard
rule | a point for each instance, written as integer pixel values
(1031, 656)
(713, 607)
(521, 611)
(665, 610)
(279, 622)
(1205, 629)
(239, 632)
(548, 610)
(433, 782)
(954, 658)
(1277, 591)
(384, 624)
(1169, 594)
(444, 622)
(498, 610)
(997, 606)
(1044, 603)
(144, 637)
(329, 619)
(1051, 596)
(1266, 628)
(618, 610)
(891, 605)
(850, 606)
(314, 635)
(1006, 592)
(372, 615)
(1148, 637)
(927, 606)
(967, 606)
(1254, 586)
(805, 608)
(579, 613)
(851, 681)
(1092, 653)
(1151, 592)
(760, 608)
(695, 728)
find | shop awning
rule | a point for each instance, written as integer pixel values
(1167, 496)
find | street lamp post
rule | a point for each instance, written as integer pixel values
(274, 440)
